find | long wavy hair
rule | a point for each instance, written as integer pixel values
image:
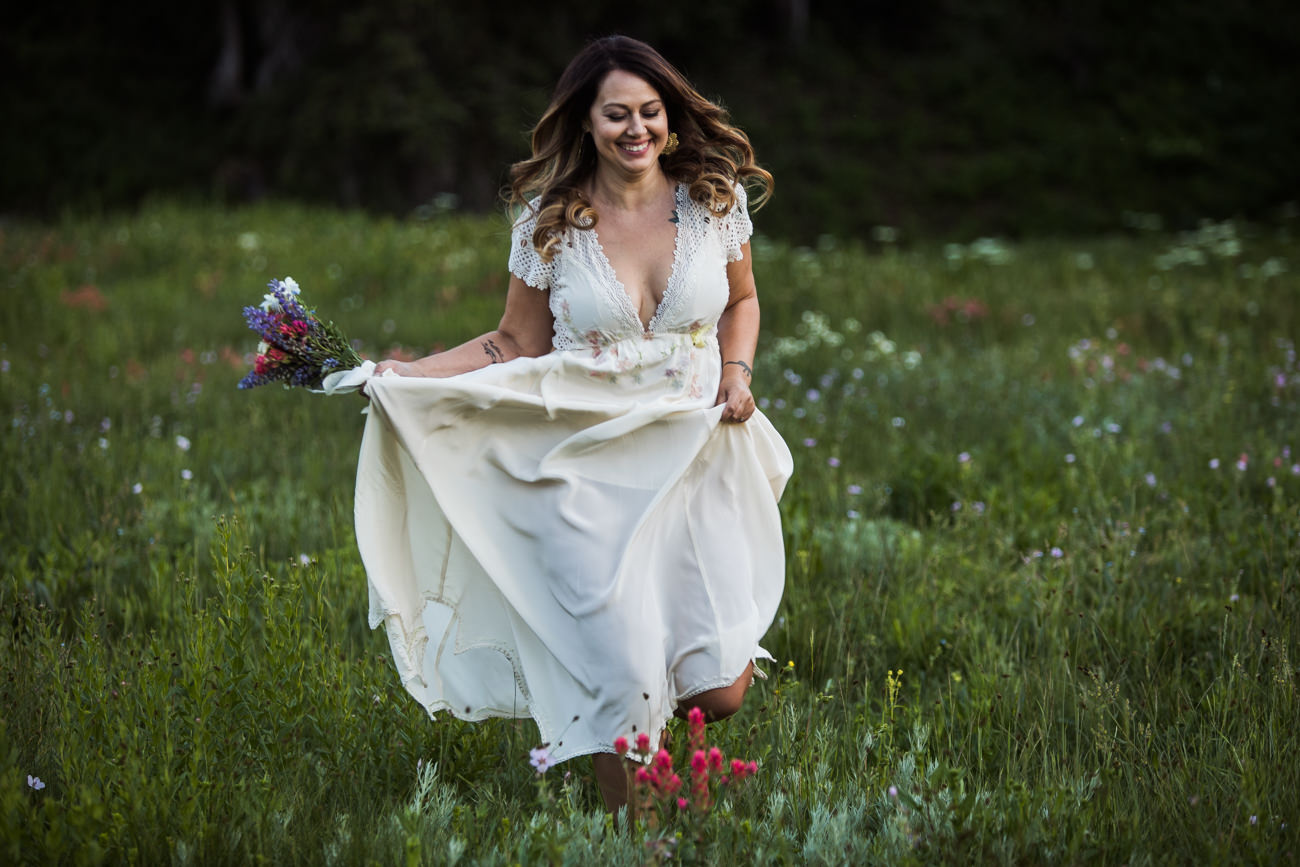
(711, 157)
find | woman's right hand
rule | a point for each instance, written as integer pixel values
(401, 368)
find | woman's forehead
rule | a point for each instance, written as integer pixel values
(620, 87)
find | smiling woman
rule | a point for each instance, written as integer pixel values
(573, 517)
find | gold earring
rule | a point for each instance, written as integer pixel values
(670, 146)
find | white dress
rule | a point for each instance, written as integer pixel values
(576, 537)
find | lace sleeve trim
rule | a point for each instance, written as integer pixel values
(525, 262)
(736, 226)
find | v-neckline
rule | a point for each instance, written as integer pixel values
(617, 286)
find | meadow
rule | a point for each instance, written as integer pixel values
(1042, 598)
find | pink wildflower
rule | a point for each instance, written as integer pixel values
(620, 745)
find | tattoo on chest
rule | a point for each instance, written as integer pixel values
(674, 218)
(493, 351)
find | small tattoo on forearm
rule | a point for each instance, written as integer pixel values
(492, 351)
(743, 366)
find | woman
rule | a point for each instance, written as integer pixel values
(573, 517)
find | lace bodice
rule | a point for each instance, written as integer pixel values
(591, 306)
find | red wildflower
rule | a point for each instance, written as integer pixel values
(85, 298)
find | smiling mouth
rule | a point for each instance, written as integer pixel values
(636, 148)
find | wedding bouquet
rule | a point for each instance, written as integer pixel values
(297, 347)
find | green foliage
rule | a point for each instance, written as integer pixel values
(1035, 611)
(946, 116)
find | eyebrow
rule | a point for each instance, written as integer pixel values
(621, 105)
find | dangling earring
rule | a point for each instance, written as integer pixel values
(670, 146)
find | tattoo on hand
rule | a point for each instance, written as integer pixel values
(743, 366)
(492, 351)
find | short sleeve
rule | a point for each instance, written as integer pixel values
(525, 262)
(736, 226)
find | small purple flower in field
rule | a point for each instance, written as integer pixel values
(1254, 820)
(105, 424)
(893, 791)
(956, 505)
(182, 443)
(833, 461)
(1150, 480)
(137, 488)
(1037, 555)
(540, 758)
(1234, 597)
(1069, 458)
(1295, 469)
(375, 698)
(1077, 421)
(1280, 380)
(800, 412)
(4, 365)
(854, 490)
(68, 417)
(764, 403)
(853, 514)
(780, 403)
(1271, 482)
(1214, 463)
(304, 560)
(963, 458)
(103, 443)
(858, 373)
(1057, 553)
(978, 507)
(35, 782)
(809, 442)
(1243, 461)
(814, 395)
(792, 377)
(898, 421)
(1166, 427)
(1112, 427)
(186, 475)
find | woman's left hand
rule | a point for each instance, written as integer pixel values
(735, 394)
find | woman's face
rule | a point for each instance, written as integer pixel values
(628, 123)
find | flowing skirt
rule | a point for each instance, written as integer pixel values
(570, 539)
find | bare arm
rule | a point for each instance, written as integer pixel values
(737, 339)
(525, 331)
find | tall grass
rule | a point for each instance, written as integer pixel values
(1041, 599)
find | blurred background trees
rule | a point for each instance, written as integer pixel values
(953, 117)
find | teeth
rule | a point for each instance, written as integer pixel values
(636, 149)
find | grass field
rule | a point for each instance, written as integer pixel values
(1042, 601)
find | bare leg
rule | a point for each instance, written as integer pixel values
(722, 702)
(611, 777)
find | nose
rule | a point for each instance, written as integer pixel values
(635, 125)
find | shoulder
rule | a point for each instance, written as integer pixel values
(526, 262)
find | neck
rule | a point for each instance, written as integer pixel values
(629, 193)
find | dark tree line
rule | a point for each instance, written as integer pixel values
(952, 116)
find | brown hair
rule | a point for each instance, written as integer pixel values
(711, 157)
